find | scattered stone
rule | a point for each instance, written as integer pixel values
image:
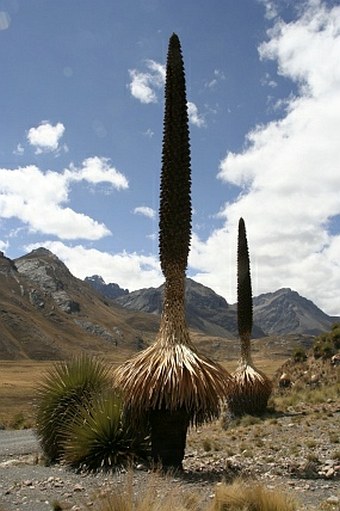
(333, 499)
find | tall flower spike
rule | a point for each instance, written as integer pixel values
(251, 388)
(170, 383)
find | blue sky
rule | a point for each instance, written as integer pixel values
(81, 102)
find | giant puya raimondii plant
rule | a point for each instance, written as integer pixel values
(251, 388)
(169, 383)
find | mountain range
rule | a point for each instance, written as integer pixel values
(46, 313)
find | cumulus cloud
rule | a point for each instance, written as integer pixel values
(145, 211)
(271, 8)
(288, 174)
(144, 85)
(46, 137)
(97, 170)
(129, 270)
(38, 198)
(194, 116)
(4, 245)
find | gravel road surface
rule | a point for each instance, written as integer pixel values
(13, 443)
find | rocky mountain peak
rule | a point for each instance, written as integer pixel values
(111, 290)
(50, 276)
(96, 280)
(7, 266)
(285, 311)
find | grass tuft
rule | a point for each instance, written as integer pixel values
(248, 496)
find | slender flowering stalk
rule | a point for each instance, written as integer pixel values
(251, 388)
(170, 382)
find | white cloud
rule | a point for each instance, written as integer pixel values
(46, 137)
(98, 170)
(5, 20)
(19, 150)
(194, 116)
(131, 271)
(144, 85)
(218, 77)
(271, 8)
(38, 198)
(145, 211)
(288, 175)
(4, 246)
(149, 133)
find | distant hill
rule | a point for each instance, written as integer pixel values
(280, 313)
(285, 311)
(46, 313)
(206, 311)
(110, 290)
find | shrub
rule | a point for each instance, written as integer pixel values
(67, 388)
(99, 436)
(327, 344)
(299, 354)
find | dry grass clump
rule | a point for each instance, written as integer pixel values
(238, 496)
(152, 497)
(249, 496)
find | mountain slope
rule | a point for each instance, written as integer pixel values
(47, 313)
(285, 311)
(206, 311)
(280, 313)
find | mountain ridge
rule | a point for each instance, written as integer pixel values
(280, 312)
(46, 313)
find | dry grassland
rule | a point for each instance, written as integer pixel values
(19, 380)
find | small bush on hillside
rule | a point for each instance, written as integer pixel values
(327, 344)
(299, 354)
(67, 388)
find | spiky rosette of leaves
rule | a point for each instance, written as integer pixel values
(100, 437)
(251, 388)
(171, 375)
(66, 387)
(249, 392)
(175, 201)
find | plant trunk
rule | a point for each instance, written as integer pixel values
(168, 437)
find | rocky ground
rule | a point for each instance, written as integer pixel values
(295, 448)
(297, 452)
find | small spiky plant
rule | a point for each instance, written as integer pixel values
(66, 388)
(99, 437)
(170, 382)
(251, 388)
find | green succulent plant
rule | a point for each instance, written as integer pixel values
(100, 436)
(66, 389)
